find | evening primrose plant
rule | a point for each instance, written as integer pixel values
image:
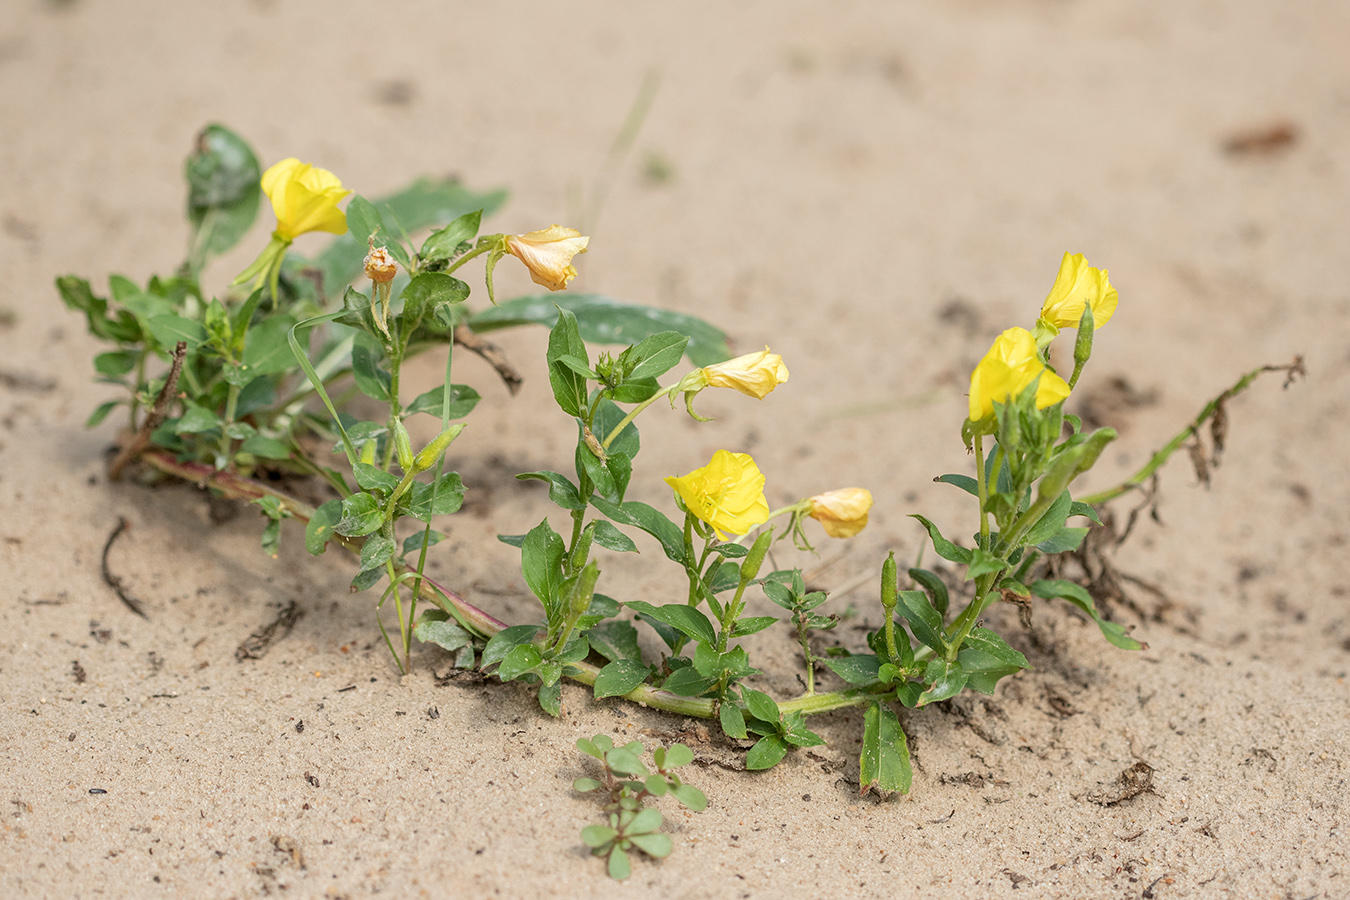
(295, 370)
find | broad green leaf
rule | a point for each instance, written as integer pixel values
(859, 669)
(116, 363)
(1063, 541)
(935, 586)
(607, 321)
(364, 221)
(265, 447)
(374, 479)
(442, 497)
(619, 867)
(541, 563)
(657, 355)
(169, 329)
(519, 660)
(569, 388)
(561, 490)
(585, 786)
(945, 548)
(361, 514)
(550, 694)
(376, 551)
(767, 753)
(504, 641)
(752, 625)
(686, 619)
(677, 755)
(924, 620)
(266, 348)
(983, 670)
(761, 705)
(657, 845)
(964, 482)
(224, 189)
(687, 683)
(196, 419)
(885, 755)
(1085, 509)
(320, 528)
(462, 401)
(982, 562)
(619, 677)
(611, 538)
(650, 520)
(615, 640)
(944, 679)
(443, 242)
(428, 290)
(690, 796)
(372, 379)
(444, 633)
(733, 720)
(1079, 597)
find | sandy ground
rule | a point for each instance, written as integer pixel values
(873, 189)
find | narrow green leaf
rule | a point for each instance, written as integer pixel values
(858, 669)
(935, 586)
(462, 401)
(1077, 595)
(885, 755)
(443, 243)
(964, 482)
(923, 619)
(1063, 541)
(945, 548)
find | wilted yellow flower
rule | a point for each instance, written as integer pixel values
(842, 512)
(727, 493)
(548, 254)
(1007, 370)
(755, 374)
(304, 198)
(380, 265)
(1079, 284)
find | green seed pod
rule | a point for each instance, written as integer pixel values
(889, 579)
(432, 451)
(585, 590)
(583, 548)
(402, 445)
(755, 558)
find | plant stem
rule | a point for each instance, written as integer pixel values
(982, 489)
(633, 414)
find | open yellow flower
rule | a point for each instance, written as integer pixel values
(1077, 285)
(304, 198)
(727, 493)
(1009, 367)
(755, 374)
(843, 513)
(548, 254)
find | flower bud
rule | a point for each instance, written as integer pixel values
(889, 580)
(431, 452)
(403, 445)
(755, 558)
(585, 589)
(548, 254)
(843, 513)
(754, 374)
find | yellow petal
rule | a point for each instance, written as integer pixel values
(843, 512)
(304, 199)
(755, 374)
(1079, 284)
(727, 493)
(1009, 368)
(548, 254)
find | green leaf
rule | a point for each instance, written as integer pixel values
(1051, 522)
(265, 447)
(657, 845)
(611, 538)
(677, 755)
(1079, 597)
(690, 796)
(761, 705)
(615, 640)
(733, 720)
(619, 677)
(687, 683)
(376, 551)
(550, 697)
(196, 419)
(462, 401)
(569, 388)
(224, 189)
(767, 753)
(656, 355)
(625, 761)
(595, 836)
(541, 563)
(374, 479)
(964, 482)
(266, 347)
(619, 866)
(428, 290)
(858, 669)
(993, 644)
(983, 671)
(518, 661)
(115, 364)
(607, 321)
(935, 586)
(650, 520)
(982, 562)
(684, 618)
(945, 548)
(364, 221)
(1065, 540)
(752, 625)
(361, 514)
(444, 633)
(945, 679)
(424, 203)
(885, 755)
(443, 243)
(169, 329)
(561, 490)
(585, 786)
(442, 497)
(371, 378)
(101, 412)
(924, 620)
(504, 641)
(321, 526)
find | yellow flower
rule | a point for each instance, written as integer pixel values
(304, 198)
(727, 493)
(1009, 367)
(1076, 285)
(755, 374)
(548, 254)
(842, 512)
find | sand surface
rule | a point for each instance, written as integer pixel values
(874, 190)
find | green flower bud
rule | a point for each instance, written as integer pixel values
(889, 580)
(585, 589)
(755, 558)
(403, 445)
(432, 451)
